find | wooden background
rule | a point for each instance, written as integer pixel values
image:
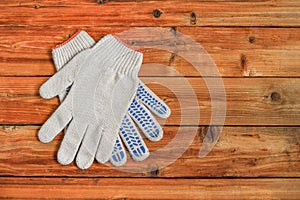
(256, 46)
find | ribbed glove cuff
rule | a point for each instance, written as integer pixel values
(64, 52)
(123, 58)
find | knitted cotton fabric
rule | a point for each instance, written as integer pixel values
(104, 82)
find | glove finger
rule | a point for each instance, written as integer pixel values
(118, 156)
(88, 148)
(55, 124)
(106, 145)
(133, 140)
(152, 101)
(62, 79)
(146, 122)
(55, 85)
(70, 143)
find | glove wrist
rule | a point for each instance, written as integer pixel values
(123, 58)
(65, 51)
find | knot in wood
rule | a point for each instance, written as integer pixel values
(275, 96)
(251, 39)
(156, 13)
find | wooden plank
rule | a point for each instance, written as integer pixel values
(240, 152)
(120, 188)
(266, 13)
(259, 101)
(31, 3)
(237, 52)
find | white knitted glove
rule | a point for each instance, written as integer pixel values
(130, 136)
(104, 83)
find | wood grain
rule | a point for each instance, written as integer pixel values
(240, 152)
(63, 3)
(237, 52)
(258, 101)
(256, 47)
(184, 13)
(94, 188)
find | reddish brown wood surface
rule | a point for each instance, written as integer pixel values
(255, 45)
(266, 13)
(237, 52)
(240, 152)
(121, 188)
(258, 101)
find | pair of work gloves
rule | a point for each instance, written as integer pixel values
(103, 102)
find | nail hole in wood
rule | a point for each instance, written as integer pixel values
(102, 1)
(193, 19)
(156, 13)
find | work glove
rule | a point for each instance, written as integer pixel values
(128, 132)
